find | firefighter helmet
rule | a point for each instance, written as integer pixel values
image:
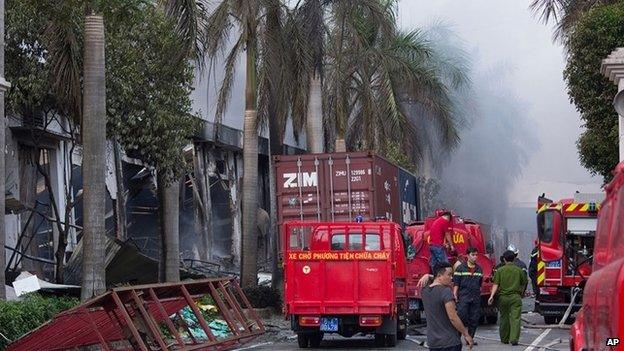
(513, 248)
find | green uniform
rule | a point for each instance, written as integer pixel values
(511, 281)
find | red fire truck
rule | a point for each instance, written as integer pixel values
(466, 233)
(345, 278)
(600, 323)
(566, 231)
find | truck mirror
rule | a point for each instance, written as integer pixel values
(489, 247)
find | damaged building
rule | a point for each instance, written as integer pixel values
(44, 200)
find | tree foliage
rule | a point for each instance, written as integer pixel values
(594, 37)
(148, 103)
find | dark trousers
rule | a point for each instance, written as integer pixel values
(450, 348)
(469, 311)
(437, 255)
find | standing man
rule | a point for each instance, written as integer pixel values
(444, 327)
(511, 282)
(533, 269)
(439, 237)
(467, 281)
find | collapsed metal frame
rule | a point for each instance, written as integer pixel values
(133, 318)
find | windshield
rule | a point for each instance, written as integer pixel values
(545, 226)
(582, 225)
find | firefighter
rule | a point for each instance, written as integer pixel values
(518, 262)
(440, 237)
(510, 281)
(467, 281)
(533, 270)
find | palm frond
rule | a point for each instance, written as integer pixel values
(228, 78)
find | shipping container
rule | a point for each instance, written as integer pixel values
(342, 186)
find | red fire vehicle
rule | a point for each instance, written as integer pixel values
(566, 231)
(345, 278)
(466, 233)
(600, 323)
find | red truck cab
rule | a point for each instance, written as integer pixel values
(566, 232)
(345, 278)
(465, 233)
(600, 322)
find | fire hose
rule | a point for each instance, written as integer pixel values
(575, 292)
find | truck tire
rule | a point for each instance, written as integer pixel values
(380, 340)
(492, 319)
(315, 340)
(550, 319)
(302, 340)
(391, 340)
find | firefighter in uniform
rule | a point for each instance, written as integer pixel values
(510, 281)
(467, 281)
(533, 270)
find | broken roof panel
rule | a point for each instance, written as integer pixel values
(133, 318)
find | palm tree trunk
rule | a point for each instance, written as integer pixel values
(169, 196)
(249, 262)
(2, 166)
(314, 118)
(94, 146)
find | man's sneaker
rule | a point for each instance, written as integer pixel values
(514, 343)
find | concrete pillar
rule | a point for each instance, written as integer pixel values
(613, 68)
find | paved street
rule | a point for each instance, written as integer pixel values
(487, 338)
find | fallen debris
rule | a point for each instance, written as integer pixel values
(210, 314)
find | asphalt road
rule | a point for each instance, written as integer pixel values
(486, 337)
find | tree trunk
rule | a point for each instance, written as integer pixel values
(341, 145)
(314, 117)
(249, 263)
(169, 196)
(94, 168)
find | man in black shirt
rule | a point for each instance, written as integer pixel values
(467, 281)
(444, 327)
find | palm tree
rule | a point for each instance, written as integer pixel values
(241, 20)
(94, 146)
(565, 13)
(375, 74)
(169, 201)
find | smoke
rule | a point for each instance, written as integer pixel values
(493, 152)
(496, 134)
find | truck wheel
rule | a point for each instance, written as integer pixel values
(302, 340)
(550, 319)
(315, 340)
(492, 319)
(391, 340)
(380, 340)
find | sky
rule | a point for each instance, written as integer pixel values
(505, 33)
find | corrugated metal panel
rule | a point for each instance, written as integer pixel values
(336, 187)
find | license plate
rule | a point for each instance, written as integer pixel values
(554, 264)
(329, 324)
(414, 304)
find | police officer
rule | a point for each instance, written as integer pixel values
(467, 281)
(510, 281)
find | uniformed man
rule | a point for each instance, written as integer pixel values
(517, 261)
(533, 269)
(467, 281)
(510, 281)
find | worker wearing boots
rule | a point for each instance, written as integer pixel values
(467, 280)
(510, 281)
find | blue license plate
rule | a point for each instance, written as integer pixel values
(554, 264)
(329, 324)
(414, 304)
